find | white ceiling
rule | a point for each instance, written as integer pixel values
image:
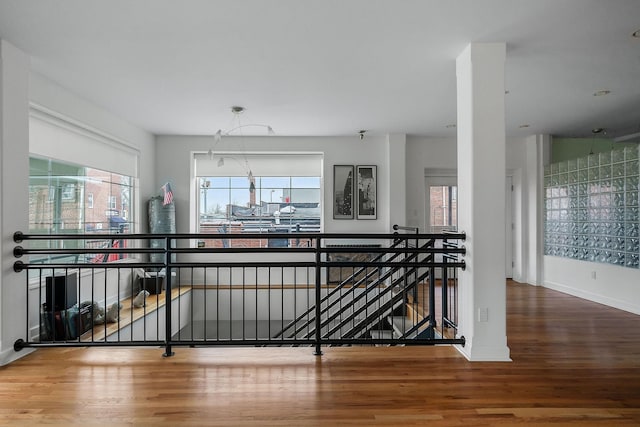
(333, 67)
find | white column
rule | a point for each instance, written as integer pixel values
(535, 149)
(396, 147)
(481, 200)
(14, 193)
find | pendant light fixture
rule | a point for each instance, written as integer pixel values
(236, 128)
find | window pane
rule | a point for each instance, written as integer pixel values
(276, 182)
(305, 182)
(214, 201)
(66, 198)
(239, 182)
(215, 182)
(444, 207)
(271, 195)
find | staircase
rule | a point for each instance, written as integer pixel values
(362, 307)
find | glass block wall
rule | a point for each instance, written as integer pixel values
(592, 208)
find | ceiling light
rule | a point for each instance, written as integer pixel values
(217, 137)
(237, 110)
(596, 131)
(361, 133)
(602, 92)
(237, 126)
(524, 126)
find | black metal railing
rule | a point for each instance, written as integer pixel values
(340, 289)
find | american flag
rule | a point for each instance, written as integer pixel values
(168, 194)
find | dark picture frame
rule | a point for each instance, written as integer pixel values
(367, 188)
(343, 192)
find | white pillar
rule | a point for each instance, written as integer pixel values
(14, 193)
(481, 200)
(536, 147)
(396, 147)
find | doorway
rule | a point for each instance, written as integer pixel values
(441, 211)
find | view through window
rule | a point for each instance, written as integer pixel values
(443, 202)
(259, 204)
(66, 198)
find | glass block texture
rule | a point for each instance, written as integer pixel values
(591, 208)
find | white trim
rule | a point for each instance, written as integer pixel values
(10, 355)
(590, 296)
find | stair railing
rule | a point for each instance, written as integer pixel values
(349, 281)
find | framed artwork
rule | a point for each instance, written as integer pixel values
(343, 181)
(366, 186)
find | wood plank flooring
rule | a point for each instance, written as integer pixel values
(574, 363)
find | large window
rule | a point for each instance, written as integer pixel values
(242, 202)
(66, 198)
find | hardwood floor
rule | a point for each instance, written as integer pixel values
(574, 363)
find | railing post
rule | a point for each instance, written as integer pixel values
(318, 350)
(445, 284)
(432, 299)
(167, 307)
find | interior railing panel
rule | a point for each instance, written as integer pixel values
(339, 289)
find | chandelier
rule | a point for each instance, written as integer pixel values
(236, 127)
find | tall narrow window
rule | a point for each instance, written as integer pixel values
(443, 205)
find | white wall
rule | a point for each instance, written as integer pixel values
(397, 159)
(48, 96)
(20, 88)
(438, 155)
(425, 153)
(174, 165)
(602, 283)
(14, 169)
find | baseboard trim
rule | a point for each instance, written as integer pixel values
(590, 296)
(10, 355)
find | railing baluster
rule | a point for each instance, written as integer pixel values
(318, 350)
(167, 306)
